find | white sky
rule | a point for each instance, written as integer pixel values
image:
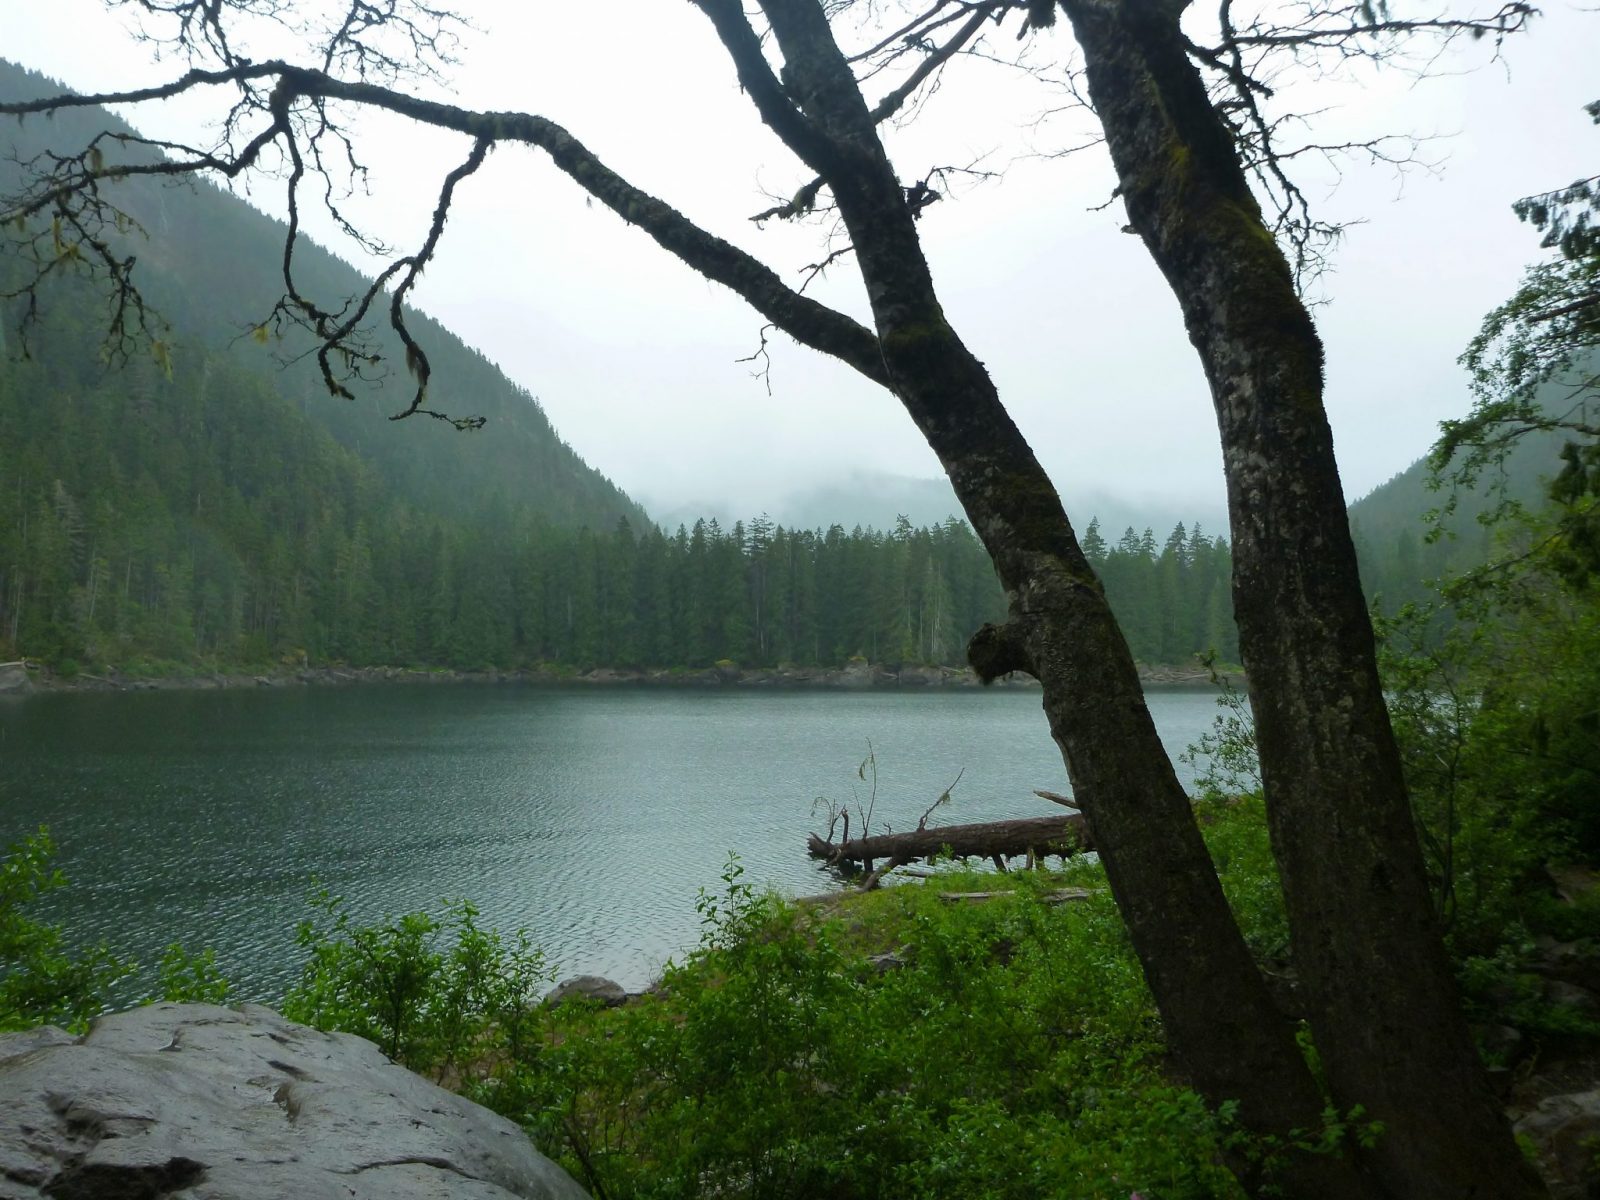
(633, 356)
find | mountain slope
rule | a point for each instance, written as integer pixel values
(211, 266)
(1390, 523)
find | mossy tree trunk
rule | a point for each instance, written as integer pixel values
(1383, 1006)
(1221, 1023)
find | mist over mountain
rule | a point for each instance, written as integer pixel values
(875, 500)
(214, 502)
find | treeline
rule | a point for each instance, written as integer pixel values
(1172, 598)
(212, 508)
(204, 519)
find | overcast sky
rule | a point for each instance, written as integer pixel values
(634, 357)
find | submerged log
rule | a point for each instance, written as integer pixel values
(1063, 835)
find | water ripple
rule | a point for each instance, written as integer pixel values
(590, 818)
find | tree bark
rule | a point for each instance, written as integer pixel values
(1384, 1012)
(1220, 1022)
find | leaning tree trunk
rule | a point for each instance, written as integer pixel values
(1220, 1021)
(1384, 1012)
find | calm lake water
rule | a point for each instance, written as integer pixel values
(591, 818)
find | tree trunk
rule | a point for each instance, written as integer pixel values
(1384, 1012)
(1220, 1022)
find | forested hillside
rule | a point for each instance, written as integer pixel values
(1391, 529)
(211, 265)
(218, 505)
(213, 506)
(202, 517)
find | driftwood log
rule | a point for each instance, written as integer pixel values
(1034, 837)
(1059, 896)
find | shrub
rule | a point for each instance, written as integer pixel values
(185, 978)
(438, 995)
(1014, 1052)
(41, 982)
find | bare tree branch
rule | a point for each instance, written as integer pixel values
(73, 185)
(805, 199)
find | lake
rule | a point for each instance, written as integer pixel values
(591, 817)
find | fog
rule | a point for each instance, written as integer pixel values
(637, 360)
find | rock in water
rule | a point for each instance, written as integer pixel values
(199, 1102)
(588, 987)
(14, 679)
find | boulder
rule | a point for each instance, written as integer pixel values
(1564, 1131)
(856, 673)
(1569, 962)
(588, 987)
(14, 679)
(1580, 1000)
(889, 960)
(200, 1102)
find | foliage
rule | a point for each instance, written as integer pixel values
(1494, 692)
(439, 995)
(40, 981)
(1236, 835)
(190, 978)
(1011, 1050)
(1232, 812)
(1225, 758)
(1535, 367)
(1499, 724)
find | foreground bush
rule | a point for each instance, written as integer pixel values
(443, 996)
(894, 1044)
(41, 982)
(1006, 1048)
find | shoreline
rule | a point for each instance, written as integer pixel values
(858, 676)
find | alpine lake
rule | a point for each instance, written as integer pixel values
(591, 817)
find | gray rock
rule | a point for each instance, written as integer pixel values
(1501, 1043)
(855, 673)
(1570, 962)
(1569, 995)
(1564, 1131)
(588, 987)
(14, 679)
(199, 1102)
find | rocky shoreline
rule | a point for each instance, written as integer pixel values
(15, 679)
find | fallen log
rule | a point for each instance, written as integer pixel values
(1059, 896)
(1035, 836)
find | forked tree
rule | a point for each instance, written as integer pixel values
(1202, 173)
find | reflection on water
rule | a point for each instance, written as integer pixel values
(589, 817)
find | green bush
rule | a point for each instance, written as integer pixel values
(441, 996)
(1013, 1052)
(185, 978)
(41, 982)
